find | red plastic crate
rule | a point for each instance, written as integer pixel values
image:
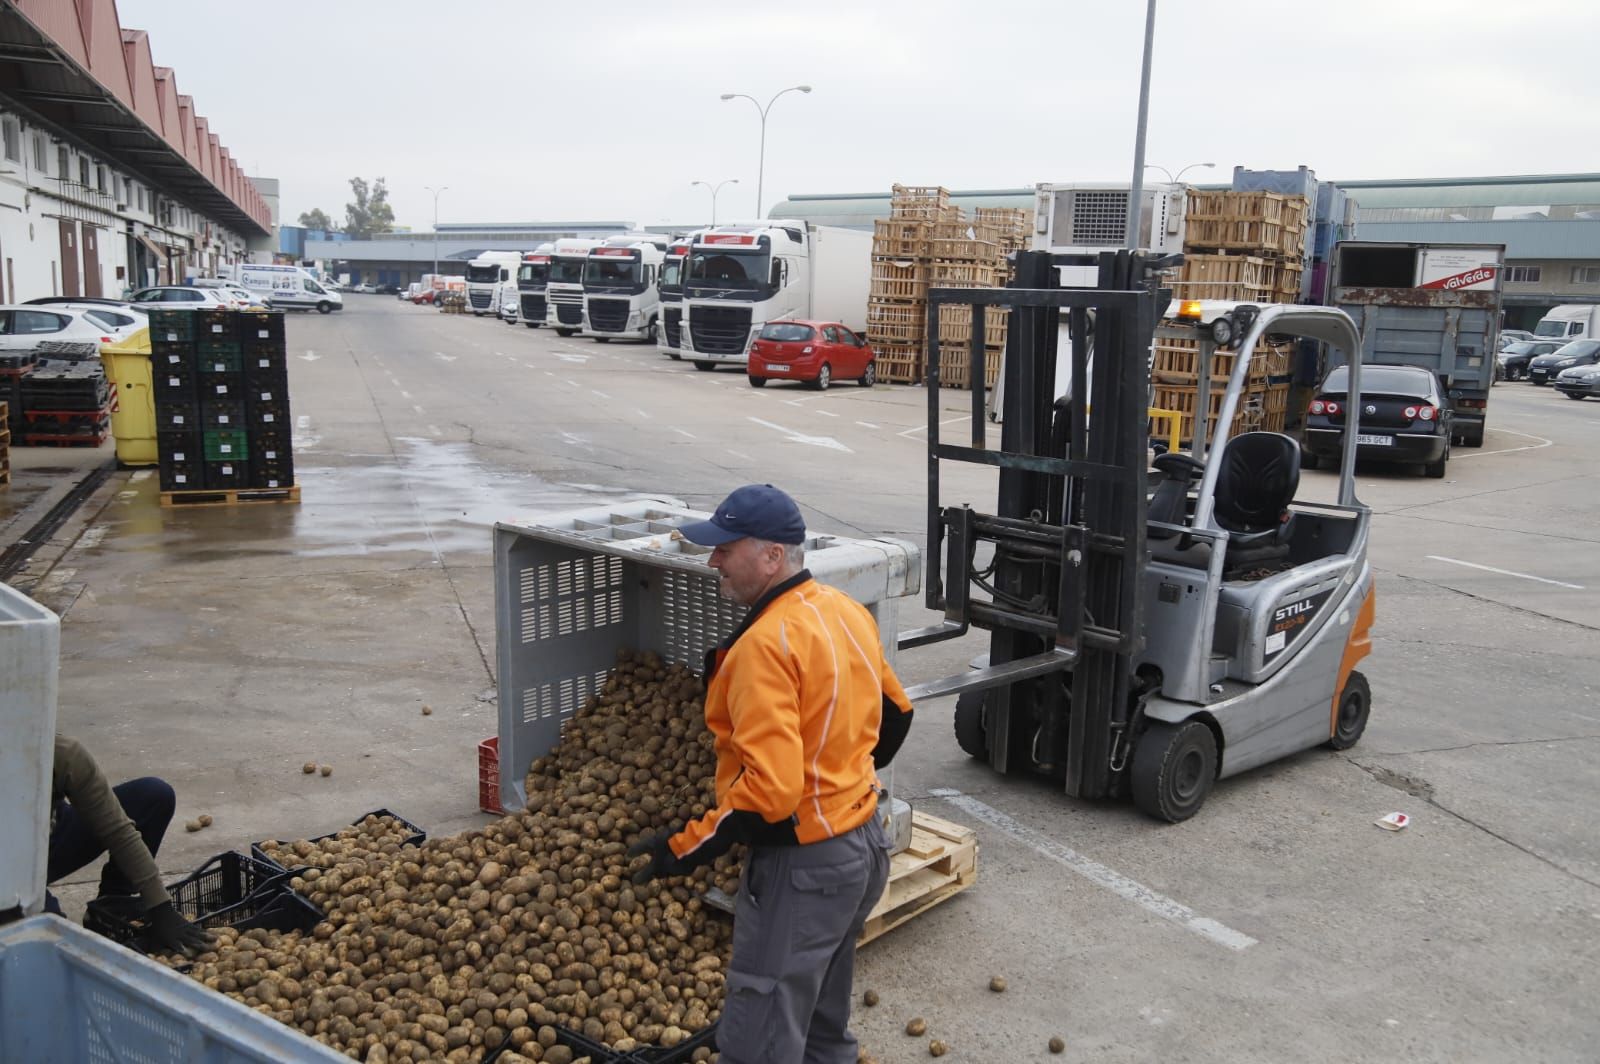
(489, 775)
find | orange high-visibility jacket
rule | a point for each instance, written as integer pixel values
(803, 707)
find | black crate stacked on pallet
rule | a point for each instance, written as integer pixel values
(222, 406)
(65, 397)
(14, 365)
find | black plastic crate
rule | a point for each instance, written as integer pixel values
(265, 474)
(266, 366)
(16, 360)
(272, 444)
(219, 363)
(177, 415)
(213, 325)
(171, 383)
(581, 1047)
(172, 352)
(232, 473)
(220, 387)
(171, 326)
(220, 414)
(679, 1053)
(230, 890)
(268, 415)
(417, 837)
(259, 326)
(228, 347)
(183, 476)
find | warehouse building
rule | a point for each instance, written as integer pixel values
(400, 258)
(110, 178)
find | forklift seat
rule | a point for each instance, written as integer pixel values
(1259, 476)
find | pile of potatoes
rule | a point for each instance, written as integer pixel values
(444, 951)
(372, 837)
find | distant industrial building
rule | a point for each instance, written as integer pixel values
(400, 258)
(109, 176)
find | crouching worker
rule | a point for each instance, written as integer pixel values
(803, 708)
(89, 817)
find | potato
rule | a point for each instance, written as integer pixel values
(205, 820)
(309, 767)
(1056, 1044)
(327, 770)
(937, 1048)
(192, 825)
(917, 1027)
(998, 984)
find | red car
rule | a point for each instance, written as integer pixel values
(424, 296)
(818, 352)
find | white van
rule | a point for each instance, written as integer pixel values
(287, 287)
(1574, 321)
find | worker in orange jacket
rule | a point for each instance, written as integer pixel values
(804, 710)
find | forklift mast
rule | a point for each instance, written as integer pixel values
(1054, 573)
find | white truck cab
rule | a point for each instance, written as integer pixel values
(620, 299)
(485, 275)
(564, 290)
(533, 275)
(669, 290)
(1573, 321)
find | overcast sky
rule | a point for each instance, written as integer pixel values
(537, 111)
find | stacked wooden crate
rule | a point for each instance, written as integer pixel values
(1246, 247)
(926, 243)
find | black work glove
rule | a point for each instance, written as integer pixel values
(663, 862)
(171, 932)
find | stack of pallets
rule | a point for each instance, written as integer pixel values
(14, 365)
(220, 380)
(5, 446)
(66, 402)
(926, 243)
(1248, 247)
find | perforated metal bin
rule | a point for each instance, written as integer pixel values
(571, 589)
(30, 641)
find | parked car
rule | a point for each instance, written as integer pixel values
(1512, 363)
(366, 287)
(387, 289)
(409, 292)
(117, 320)
(427, 296)
(1514, 336)
(817, 352)
(182, 297)
(1543, 369)
(1404, 418)
(23, 327)
(1579, 382)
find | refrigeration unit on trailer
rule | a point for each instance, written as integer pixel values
(564, 289)
(532, 277)
(485, 275)
(620, 301)
(669, 290)
(740, 277)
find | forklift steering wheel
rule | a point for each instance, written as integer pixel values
(1179, 466)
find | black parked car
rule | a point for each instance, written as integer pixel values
(1512, 361)
(1543, 369)
(1403, 418)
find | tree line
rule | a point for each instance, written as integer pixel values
(368, 213)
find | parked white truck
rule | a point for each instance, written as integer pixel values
(1570, 321)
(564, 290)
(485, 275)
(620, 301)
(740, 277)
(532, 277)
(669, 289)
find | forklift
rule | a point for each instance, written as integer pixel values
(1158, 619)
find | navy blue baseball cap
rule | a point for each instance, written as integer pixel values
(755, 511)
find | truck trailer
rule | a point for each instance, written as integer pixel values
(740, 277)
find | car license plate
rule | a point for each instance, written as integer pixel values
(1374, 441)
(778, 369)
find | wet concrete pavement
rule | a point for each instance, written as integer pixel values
(224, 647)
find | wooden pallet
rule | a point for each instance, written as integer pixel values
(230, 496)
(62, 439)
(940, 863)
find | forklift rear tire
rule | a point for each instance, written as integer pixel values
(1355, 705)
(970, 735)
(1174, 767)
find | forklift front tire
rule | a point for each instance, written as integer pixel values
(1355, 705)
(1173, 769)
(969, 725)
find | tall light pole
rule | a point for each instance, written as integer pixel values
(436, 192)
(714, 190)
(761, 164)
(1136, 190)
(1186, 169)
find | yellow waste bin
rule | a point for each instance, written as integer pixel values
(133, 410)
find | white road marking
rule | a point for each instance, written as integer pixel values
(599, 393)
(1503, 572)
(1580, 716)
(739, 454)
(825, 413)
(573, 383)
(1543, 443)
(866, 424)
(641, 413)
(435, 430)
(924, 428)
(310, 356)
(444, 357)
(580, 359)
(547, 373)
(405, 395)
(683, 432)
(91, 537)
(797, 437)
(1099, 874)
(417, 408)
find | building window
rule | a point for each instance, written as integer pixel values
(143, 204)
(11, 133)
(41, 158)
(83, 170)
(1522, 274)
(63, 163)
(100, 178)
(1586, 275)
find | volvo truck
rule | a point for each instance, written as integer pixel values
(669, 289)
(620, 301)
(485, 275)
(740, 277)
(1431, 305)
(564, 290)
(532, 277)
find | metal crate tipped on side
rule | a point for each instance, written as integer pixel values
(574, 588)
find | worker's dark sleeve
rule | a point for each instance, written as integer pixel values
(77, 778)
(896, 721)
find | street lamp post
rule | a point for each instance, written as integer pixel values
(761, 164)
(714, 190)
(1186, 169)
(436, 192)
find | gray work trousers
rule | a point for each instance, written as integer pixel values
(799, 911)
